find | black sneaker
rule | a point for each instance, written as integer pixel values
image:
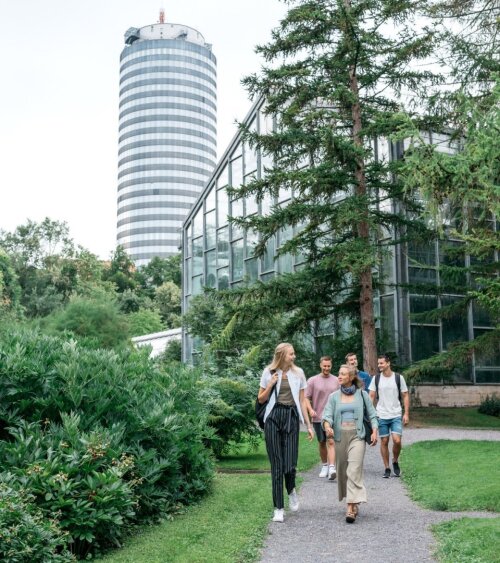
(387, 473)
(396, 468)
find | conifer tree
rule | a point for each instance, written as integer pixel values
(338, 75)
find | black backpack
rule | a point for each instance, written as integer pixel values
(398, 384)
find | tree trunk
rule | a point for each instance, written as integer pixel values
(366, 283)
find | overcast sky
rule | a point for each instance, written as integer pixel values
(59, 62)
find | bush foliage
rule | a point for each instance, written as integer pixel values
(490, 405)
(100, 439)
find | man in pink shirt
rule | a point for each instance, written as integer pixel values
(319, 388)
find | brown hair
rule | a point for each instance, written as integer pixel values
(325, 359)
(353, 374)
(279, 356)
(348, 355)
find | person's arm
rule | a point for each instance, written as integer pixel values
(310, 410)
(305, 413)
(327, 421)
(372, 397)
(372, 415)
(265, 392)
(406, 402)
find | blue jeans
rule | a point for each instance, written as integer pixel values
(388, 426)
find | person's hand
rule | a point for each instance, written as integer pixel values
(329, 432)
(374, 438)
(312, 413)
(274, 379)
(310, 433)
(406, 419)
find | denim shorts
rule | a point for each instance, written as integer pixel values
(388, 426)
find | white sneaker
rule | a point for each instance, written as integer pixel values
(332, 472)
(324, 471)
(293, 501)
(279, 515)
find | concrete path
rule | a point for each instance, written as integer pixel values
(390, 527)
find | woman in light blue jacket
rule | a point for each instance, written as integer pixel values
(343, 420)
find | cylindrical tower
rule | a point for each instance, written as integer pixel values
(167, 135)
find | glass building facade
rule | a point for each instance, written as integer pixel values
(219, 255)
(167, 135)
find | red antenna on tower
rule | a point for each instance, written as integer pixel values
(162, 15)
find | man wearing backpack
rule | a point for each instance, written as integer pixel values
(389, 388)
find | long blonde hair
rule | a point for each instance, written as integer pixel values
(279, 356)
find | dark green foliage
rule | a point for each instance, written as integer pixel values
(144, 321)
(172, 352)
(490, 405)
(91, 318)
(102, 439)
(26, 535)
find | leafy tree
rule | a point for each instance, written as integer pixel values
(121, 271)
(10, 290)
(144, 321)
(88, 318)
(160, 270)
(333, 82)
(168, 302)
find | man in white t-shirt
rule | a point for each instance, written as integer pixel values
(384, 388)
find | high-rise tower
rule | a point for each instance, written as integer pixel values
(167, 134)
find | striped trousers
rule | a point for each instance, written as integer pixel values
(281, 431)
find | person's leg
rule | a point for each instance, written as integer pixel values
(384, 434)
(273, 434)
(323, 452)
(320, 435)
(384, 450)
(330, 447)
(291, 454)
(396, 433)
(356, 491)
(341, 455)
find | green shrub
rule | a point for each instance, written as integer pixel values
(26, 535)
(490, 405)
(80, 415)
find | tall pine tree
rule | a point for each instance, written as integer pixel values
(339, 76)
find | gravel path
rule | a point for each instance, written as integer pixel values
(390, 527)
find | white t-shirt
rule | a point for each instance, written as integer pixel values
(388, 405)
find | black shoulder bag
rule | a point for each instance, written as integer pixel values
(260, 408)
(367, 423)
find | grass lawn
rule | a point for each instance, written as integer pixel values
(468, 540)
(453, 476)
(248, 459)
(227, 526)
(463, 417)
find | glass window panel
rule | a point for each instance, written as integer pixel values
(487, 375)
(223, 278)
(237, 260)
(387, 317)
(252, 269)
(198, 224)
(266, 163)
(422, 275)
(383, 150)
(250, 159)
(422, 253)
(187, 276)
(197, 256)
(490, 358)
(237, 172)
(285, 234)
(424, 342)
(267, 277)
(423, 303)
(211, 270)
(222, 207)
(189, 238)
(268, 259)
(210, 200)
(387, 275)
(210, 229)
(285, 263)
(266, 204)
(455, 328)
(223, 177)
(251, 205)
(252, 238)
(236, 211)
(197, 285)
(236, 152)
(284, 194)
(266, 123)
(480, 315)
(451, 255)
(223, 247)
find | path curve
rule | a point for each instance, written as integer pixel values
(383, 533)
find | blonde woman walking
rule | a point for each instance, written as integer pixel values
(285, 409)
(343, 420)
